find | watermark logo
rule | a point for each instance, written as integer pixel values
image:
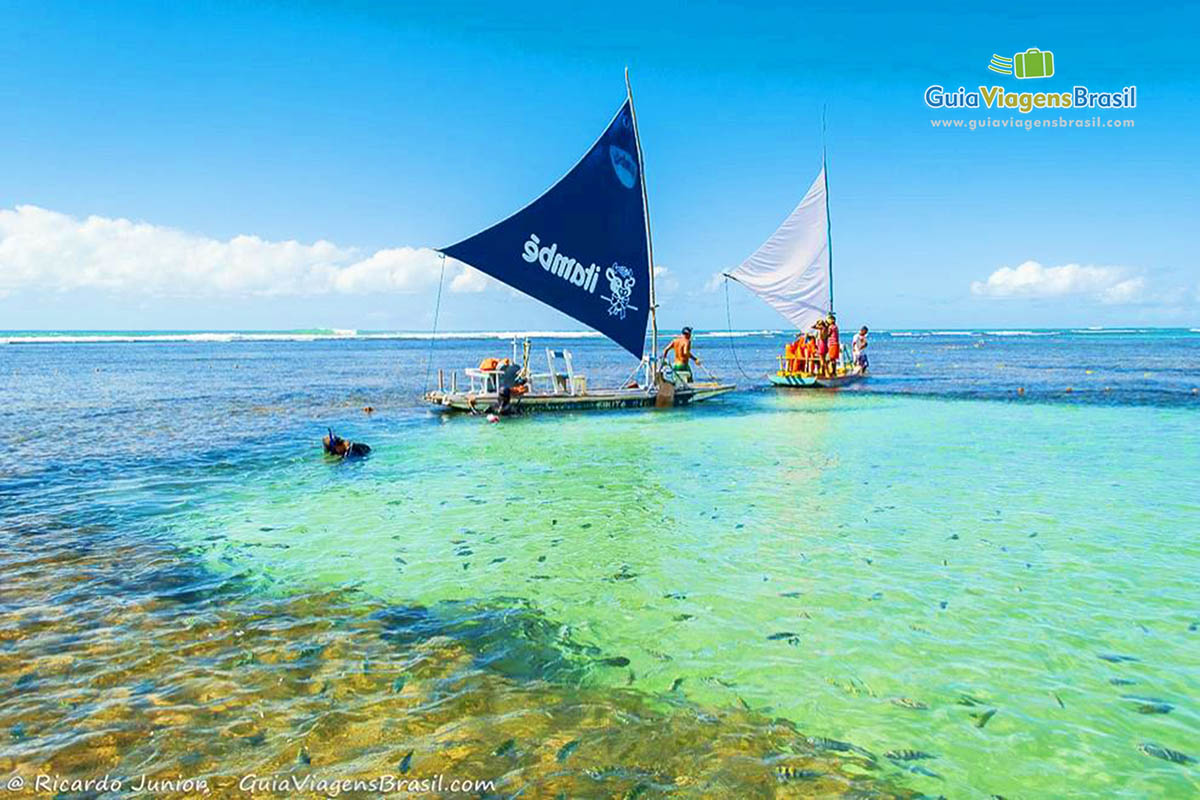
(1033, 63)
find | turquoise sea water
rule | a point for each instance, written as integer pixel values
(933, 563)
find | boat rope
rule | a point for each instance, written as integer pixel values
(729, 324)
(437, 308)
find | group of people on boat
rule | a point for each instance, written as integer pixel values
(819, 352)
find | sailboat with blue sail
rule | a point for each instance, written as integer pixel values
(583, 247)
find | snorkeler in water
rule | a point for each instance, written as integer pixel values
(338, 447)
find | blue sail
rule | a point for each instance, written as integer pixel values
(582, 246)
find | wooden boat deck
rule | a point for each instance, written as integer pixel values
(593, 400)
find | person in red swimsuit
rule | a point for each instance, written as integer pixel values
(834, 347)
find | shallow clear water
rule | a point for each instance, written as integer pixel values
(885, 566)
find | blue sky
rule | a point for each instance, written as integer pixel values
(138, 140)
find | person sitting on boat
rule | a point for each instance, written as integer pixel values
(859, 349)
(834, 346)
(508, 381)
(682, 345)
(805, 353)
(794, 353)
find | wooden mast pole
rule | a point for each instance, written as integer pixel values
(828, 223)
(649, 242)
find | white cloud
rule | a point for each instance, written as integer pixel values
(1113, 285)
(713, 284)
(46, 250)
(664, 281)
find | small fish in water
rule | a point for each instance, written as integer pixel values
(675, 596)
(1115, 658)
(681, 617)
(614, 661)
(565, 751)
(943, 605)
(623, 574)
(790, 637)
(1149, 705)
(1165, 753)
(406, 763)
(1058, 700)
(1121, 681)
(917, 769)
(981, 718)
(675, 684)
(507, 747)
(967, 700)
(541, 559)
(907, 755)
(500, 560)
(796, 774)
(792, 595)
(821, 743)
(908, 702)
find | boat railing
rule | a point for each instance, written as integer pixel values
(844, 365)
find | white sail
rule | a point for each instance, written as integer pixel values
(791, 269)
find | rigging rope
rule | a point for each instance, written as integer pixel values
(436, 311)
(729, 324)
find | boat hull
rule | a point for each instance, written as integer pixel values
(601, 400)
(813, 382)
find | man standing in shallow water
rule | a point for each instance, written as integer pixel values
(682, 345)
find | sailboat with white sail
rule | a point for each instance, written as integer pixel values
(793, 273)
(584, 248)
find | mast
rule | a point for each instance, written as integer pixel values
(649, 243)
(828, 223)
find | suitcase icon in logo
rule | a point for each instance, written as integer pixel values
(1033, 63)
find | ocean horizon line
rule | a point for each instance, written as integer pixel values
(104, 336)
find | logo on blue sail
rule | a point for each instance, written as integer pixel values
(620, 283)
(624, 165)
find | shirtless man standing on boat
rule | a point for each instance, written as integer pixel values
(682, 345)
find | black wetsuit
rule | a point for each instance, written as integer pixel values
(508, 378)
